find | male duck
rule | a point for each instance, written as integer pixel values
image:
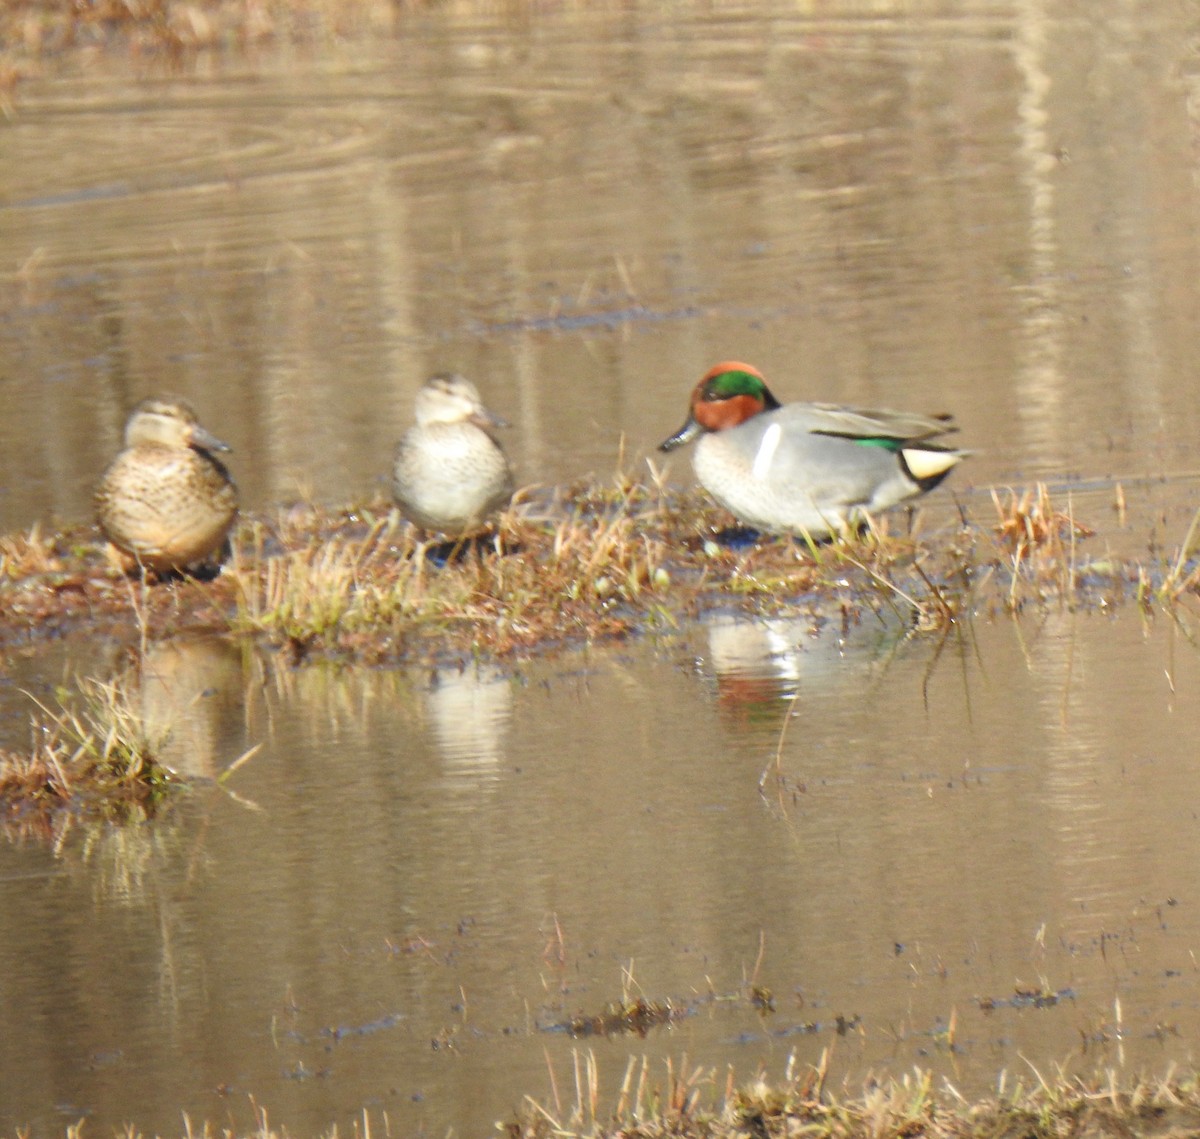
(810, 469)
(450, 474)
(166, 502)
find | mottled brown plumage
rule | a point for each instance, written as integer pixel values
(166, 502)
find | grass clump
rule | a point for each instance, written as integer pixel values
(691, 1102)
(25, 555)
(94, 754)
(370, 586)
(688, 1102)
(638, 1015)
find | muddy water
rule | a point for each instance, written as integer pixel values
(419, 878)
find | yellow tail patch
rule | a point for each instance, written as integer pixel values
(923, 464)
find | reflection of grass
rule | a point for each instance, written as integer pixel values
(689, 1102)
(30, 29)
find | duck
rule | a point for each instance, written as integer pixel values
(450, 474)
(812, 470)
(166, 503)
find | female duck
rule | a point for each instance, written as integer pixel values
(810, 469)
(450, 474)
(166, 502)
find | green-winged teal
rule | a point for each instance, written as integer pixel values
(810, 469)
(166, 502)
(450, 474)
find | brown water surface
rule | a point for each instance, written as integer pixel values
(984, 208)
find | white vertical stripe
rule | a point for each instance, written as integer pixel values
(766, 451)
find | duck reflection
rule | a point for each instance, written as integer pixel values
(187, 689)
(469, 711)
(759, 665)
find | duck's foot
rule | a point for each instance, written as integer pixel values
(807, 542)
(457, 550)
(202, 571)
(737, 537)
(442, 554)
(128, 565)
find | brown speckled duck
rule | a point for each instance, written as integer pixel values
(166, 502)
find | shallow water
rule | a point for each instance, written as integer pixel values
(419, 877)
(991, 210)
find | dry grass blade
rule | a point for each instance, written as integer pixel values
(1175, 581)
(244, 758)
(24, 555)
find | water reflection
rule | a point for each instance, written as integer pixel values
(189, 691)
(469, 710)
(760, 665)
(759, 662)
(1039, 377)
(457, 714)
